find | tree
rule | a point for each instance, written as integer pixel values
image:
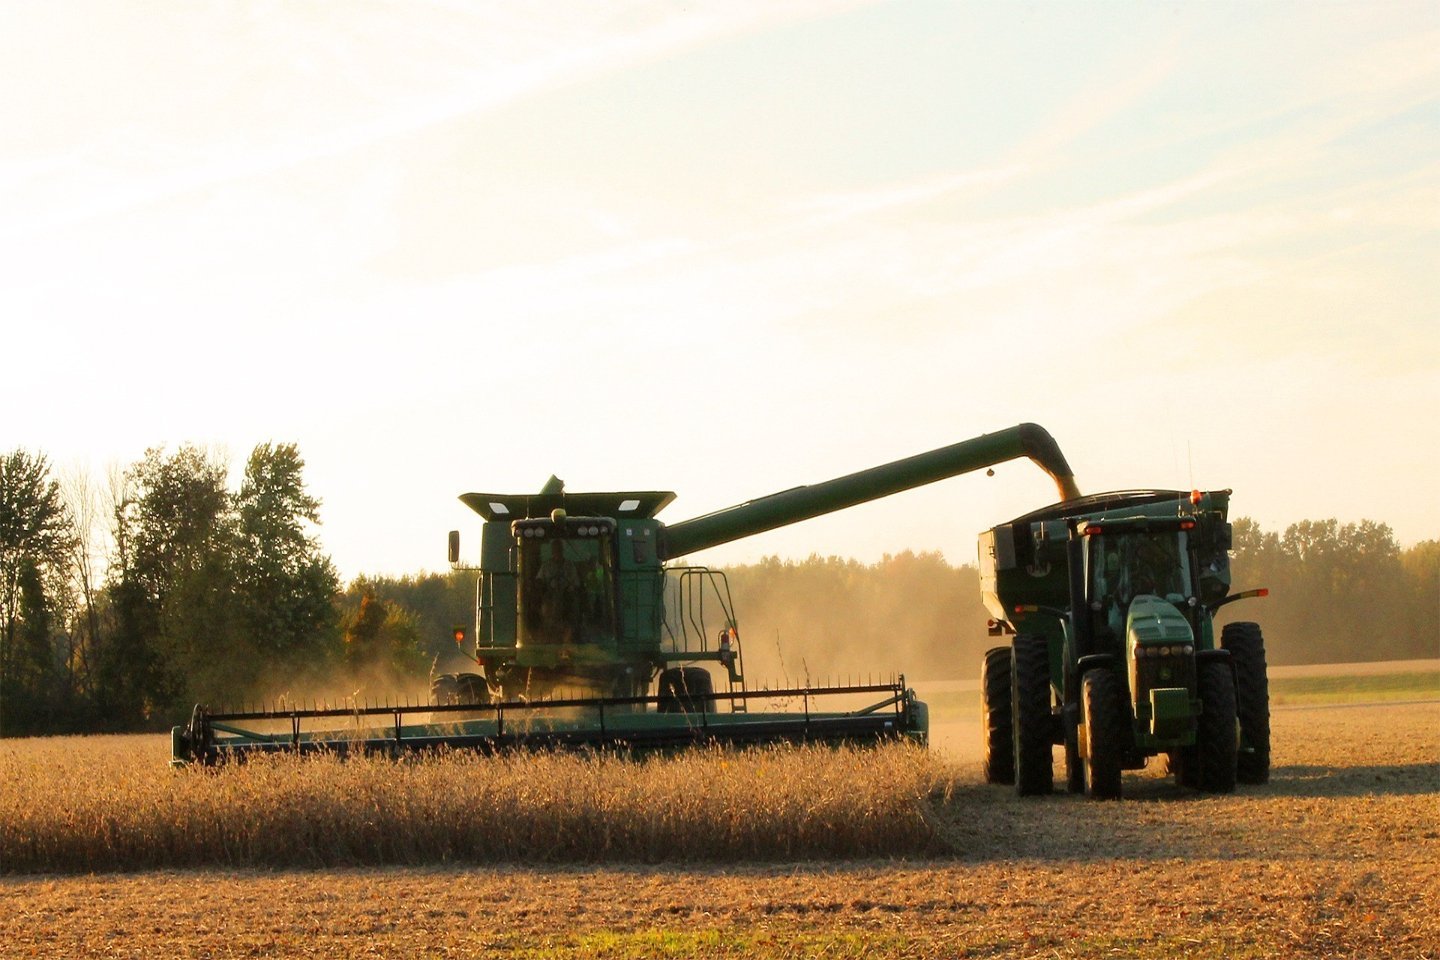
(175, 640)
(1421, 564)
(34, 539)
(382, 645)
(1338, 592)
(439, 602)
(285, 586)
(84, 505)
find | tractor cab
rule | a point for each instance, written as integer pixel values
(1137, 567)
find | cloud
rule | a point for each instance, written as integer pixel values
(283, 85)
(827, 209)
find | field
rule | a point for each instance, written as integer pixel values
(1338, 855)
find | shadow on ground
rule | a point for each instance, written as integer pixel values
(1309, 780)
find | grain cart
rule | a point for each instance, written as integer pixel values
(589, 630)
(1110, 600)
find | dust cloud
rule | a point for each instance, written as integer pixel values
(829, 619)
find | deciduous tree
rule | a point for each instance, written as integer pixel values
(285, 585)
(35, 536)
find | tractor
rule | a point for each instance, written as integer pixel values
(1110, 602)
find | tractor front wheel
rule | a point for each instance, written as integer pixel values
(995, 717)
(1252, 699)
(1104, 733)
(1031, 716)
(1212, 760)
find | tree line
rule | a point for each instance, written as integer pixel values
(122, 604)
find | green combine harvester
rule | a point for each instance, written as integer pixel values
(1110, 600)
(589, 631)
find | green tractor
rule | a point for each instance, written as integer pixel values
(1110, 602)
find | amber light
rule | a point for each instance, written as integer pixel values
(1195, 497)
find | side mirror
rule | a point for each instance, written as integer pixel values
(454, 546)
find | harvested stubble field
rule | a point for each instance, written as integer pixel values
(1338, 855)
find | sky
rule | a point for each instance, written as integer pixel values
(725, 249)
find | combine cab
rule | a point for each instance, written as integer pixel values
(590, 632)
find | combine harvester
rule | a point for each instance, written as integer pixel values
(579, 617)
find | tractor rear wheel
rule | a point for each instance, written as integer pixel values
(995, 718)
(1252, 699)
(682, 689)
(1031, 716)
(1104, 733)
(1212, 759)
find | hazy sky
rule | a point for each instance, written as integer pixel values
(725, 249)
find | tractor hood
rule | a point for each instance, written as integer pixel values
(1154, 620)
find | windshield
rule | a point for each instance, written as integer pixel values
(1125, 566)
(567, 592)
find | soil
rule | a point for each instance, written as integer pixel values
(1339, 855)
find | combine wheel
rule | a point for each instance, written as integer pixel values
(995, 719)
(1252, 700)
(444, 690)
(680, 689)
(1030, 712)
(1212, 760)
(1104, 733)
(471, 688)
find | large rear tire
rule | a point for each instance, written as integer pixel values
(1252, 699)
(995, 716)
(1215, 737)
(1031, 716)
(1104, 733)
